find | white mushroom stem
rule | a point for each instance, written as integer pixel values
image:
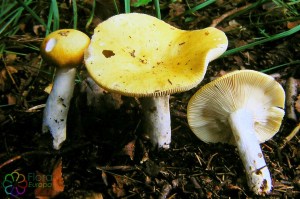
(258, 175)
(157, 122)
(57, 106)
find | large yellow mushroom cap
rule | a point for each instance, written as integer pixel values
(140, 55)
(65, 47)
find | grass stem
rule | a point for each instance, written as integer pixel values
(262, 41)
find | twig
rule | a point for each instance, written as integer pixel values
(291, 93)
(218, 20)
(172, 196)
(166, 189)
(104, 177)
(290, 136)
(195, 183)
(122, 176)
(208, 167)
(10, 161)
(198, 158)
(22, 156)
(269, 148)
(258, 170)
(110, 168)
(288, 161)
(36, 108)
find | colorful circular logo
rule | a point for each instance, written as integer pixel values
(14, 184)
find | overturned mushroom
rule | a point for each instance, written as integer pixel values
(243, 108)
(63, 48)
(141, 56)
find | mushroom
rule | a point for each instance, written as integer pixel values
(63, 48)
(243, 108)
(141, 56)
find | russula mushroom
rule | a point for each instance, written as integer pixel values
(64, 49)
(243, 108)
(141, 56)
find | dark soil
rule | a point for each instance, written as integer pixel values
(106, 151)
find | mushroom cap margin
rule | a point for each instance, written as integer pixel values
(139, 55)
(209, 108)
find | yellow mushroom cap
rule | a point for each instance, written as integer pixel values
(140, 55)
(65, 47)
(209, 109)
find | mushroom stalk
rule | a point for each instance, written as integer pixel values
(57, 105)
(157, 122)
(258, 175)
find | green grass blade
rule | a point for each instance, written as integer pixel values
(32, 47)
(75, 14)
(90, 19)
(250, 7)
(49, 22)
(157, 9)
(13, 52)
(2, 47)
(116, 7)
(271, 38)
(55, 15)
(127, 6)
(290, 9)
(6, 8)
(13, 18)
(200, 6)
(28, 9)
(279, 66)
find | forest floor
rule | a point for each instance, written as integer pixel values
(105, 154)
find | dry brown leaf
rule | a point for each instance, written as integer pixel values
(118, 191)
(48, 88)
(292, 24)
(233, 24)
(4, 75)
(104, 178)
(11, 99)
(42, 193)
(10, 58)
(129, 149)
(10, 69)
(37, 28)
(209, 194)
(57, 183)
(176, 9)
(22, 26)
(118, 187)
(57, 180)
